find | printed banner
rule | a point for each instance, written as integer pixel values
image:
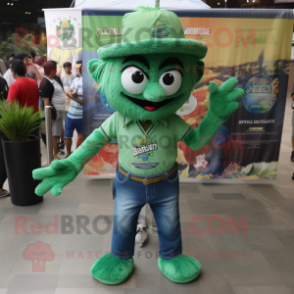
(64, 39)
(252, 45)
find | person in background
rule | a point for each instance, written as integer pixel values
(2, 68)
(32, 55)
(24, 56)
(292, 105)
(3, 89)
(27, 58)
(74, 118)
(8, 75)
(52, 94)
(24, 90)
(40, 60)
(31, 75)
(3, 85)
(39, 63)
(33, 66)
(60, 144)
(3, 174)
(68, 77)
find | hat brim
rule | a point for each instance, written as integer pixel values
(153, 46)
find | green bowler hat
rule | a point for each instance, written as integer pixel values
(152, 30)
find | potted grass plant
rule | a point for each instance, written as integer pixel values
(21, 151)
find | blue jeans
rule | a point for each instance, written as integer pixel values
(163, 198)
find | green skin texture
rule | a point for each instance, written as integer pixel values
(110, 269)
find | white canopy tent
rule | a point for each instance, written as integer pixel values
(120, 4)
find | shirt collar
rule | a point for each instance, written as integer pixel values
(49, 79)
(127, 120)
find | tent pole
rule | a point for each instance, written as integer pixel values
(157, 3)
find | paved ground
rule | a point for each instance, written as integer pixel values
(260, 261)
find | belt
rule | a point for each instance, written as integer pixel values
(147, 181)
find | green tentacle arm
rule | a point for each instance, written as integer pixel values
(62, 172)
(222, 103)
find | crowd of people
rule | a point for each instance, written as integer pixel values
(33, 81)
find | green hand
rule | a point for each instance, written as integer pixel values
(55, 177)
(222, 100)
(62, 172)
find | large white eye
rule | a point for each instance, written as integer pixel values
(171, 82)
(134, 80)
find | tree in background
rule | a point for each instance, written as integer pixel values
(15, 43)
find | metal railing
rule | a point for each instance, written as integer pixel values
(49, 145)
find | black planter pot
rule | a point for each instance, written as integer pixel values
(21, 158)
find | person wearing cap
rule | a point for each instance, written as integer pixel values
(146, 79)
(74, 118)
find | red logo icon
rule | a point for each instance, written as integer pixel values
(39, 253)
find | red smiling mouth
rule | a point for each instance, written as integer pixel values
(147, 105)
(150, 108)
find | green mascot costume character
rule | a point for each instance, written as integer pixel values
(146, 79)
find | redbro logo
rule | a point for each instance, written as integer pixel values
(39, 253)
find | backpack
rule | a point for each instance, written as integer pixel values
(3, 89)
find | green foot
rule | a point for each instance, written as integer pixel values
(181, 269)
(112, 270)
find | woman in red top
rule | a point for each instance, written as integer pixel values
(25, 90)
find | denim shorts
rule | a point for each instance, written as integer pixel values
(72, 124)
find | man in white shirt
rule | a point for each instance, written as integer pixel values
(68, 76)
(74, 118)
(67, 79)
(53, 95)
(8, 75)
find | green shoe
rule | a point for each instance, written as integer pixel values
(112, 270)
(181, 269)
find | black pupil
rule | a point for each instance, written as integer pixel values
(168, 79)
(138, 77)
